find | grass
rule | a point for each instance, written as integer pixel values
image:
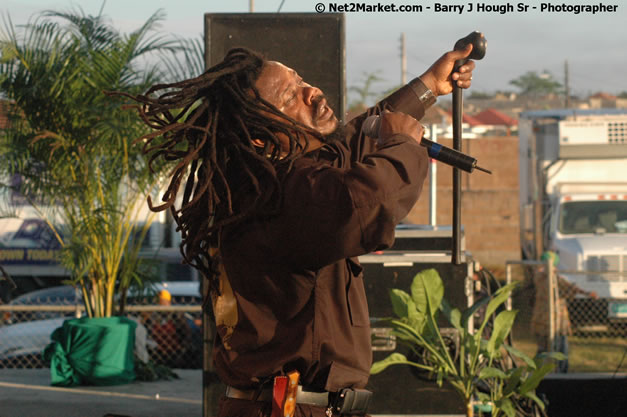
(588, 354)
(598, 354)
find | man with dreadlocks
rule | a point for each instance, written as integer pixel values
(275, 202)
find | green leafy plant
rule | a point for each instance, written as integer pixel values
(479, 370)
(74, 147)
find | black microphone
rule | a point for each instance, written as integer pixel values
(441, 153)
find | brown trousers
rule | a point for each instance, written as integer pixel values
(232, 407)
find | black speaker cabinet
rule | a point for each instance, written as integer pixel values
(400, 389)
(593, 394)
(313, 44)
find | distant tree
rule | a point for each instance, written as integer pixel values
(623, 94)
(532, 83)
(389, 91)
(364, 91)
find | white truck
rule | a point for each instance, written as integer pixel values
(573, 199)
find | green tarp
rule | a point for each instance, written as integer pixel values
(92, 351)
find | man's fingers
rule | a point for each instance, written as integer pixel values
(464, 84)
(461, 53)
(463, 76)
(469, 66)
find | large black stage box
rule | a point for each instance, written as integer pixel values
(570, 395)
(312, 44)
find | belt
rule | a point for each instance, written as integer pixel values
(320, 399)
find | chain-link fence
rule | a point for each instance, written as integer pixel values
(166, 335)
(561, 311)
(591, 328)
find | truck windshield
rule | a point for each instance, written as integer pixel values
(593, 216)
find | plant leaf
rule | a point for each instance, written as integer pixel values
(507, 406)
(532, 382)
(519, 354)
(483, 397)
(427, 291)
(512, 381)
(452, 314)
(400, 300)
(470, 344)
(502, 326)
(490, 372)
(469, 312)
(532, 395)
(405, 308)
(393, 359)
(558, 356)
(499, 297)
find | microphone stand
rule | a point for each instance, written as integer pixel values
(478, 51)
(457, 176)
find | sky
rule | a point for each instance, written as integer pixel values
(594, 45)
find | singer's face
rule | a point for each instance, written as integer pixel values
(286, 90)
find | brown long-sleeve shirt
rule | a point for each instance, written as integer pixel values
(292, 292)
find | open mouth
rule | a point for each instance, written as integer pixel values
(323, 111)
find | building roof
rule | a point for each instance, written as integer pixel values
(604, 96)
(471, 120)
(494, 117)
(466, 118)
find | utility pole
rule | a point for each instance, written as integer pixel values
(566, 86)
(251, 6)
(403, 60)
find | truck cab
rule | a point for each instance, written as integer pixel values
(573, 201)
(589, 233)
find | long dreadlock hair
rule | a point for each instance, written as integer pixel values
(204, 126)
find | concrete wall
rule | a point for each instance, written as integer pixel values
(490, 211)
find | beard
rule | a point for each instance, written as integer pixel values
(337, 136)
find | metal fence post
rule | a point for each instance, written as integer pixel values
(508, 276)
(552, 303)
(206, 352)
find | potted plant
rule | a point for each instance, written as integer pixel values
(478, 372)
(74, 147)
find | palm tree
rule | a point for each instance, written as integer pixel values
(74, 146)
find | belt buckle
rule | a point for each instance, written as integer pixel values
(351, 401)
